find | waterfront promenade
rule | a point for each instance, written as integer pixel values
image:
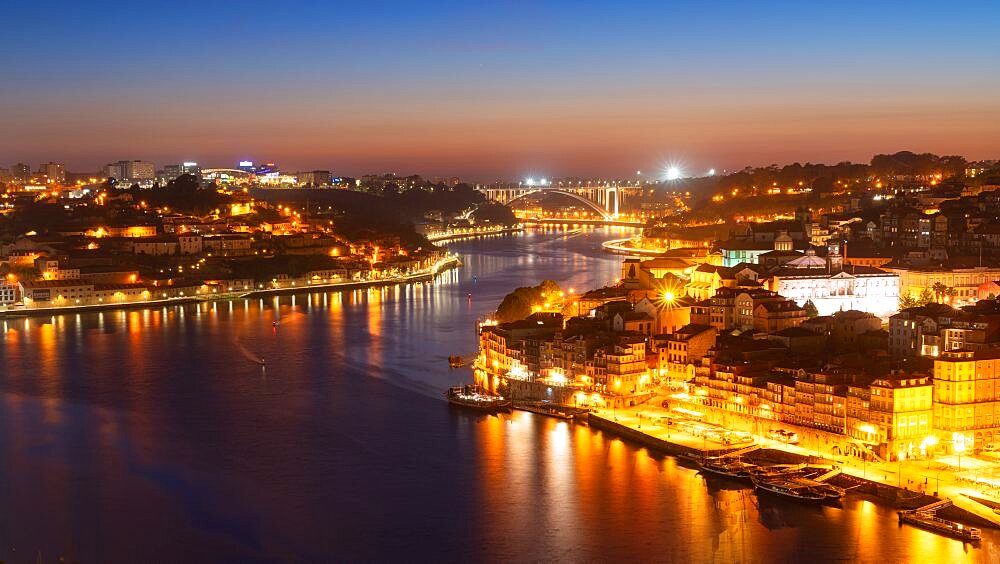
(471, 232)
(942, 477)
(421, 275)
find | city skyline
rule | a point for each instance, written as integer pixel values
(499, 281)
(498, 90)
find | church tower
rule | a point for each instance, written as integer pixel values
(783, 242)
(833, 256)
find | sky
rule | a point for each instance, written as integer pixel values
(486, 90)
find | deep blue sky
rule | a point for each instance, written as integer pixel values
(500, 88)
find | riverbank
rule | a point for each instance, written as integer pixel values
(622, 247)
(576, 222)
(647, 425)
(472, 233)
(425, 275)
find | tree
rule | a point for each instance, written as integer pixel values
(549, 289)
(950, 293)
(522, 302)
(939, 290)
(493, 212)
(516, 305)
(926, 297)
(811, 310)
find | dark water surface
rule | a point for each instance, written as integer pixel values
(152, 436)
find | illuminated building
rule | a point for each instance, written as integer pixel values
(513, 349)
(967, 397)
(228, 244)
(50, 269)
(20, 171)
(225, 176)
(738, 251)
(620, 368)
(676, 351)
(54, 291)
(965, 281)
(935, 328)
(755, 239)
(55, 172)
(651, 273)
(831, 287)
(894, 414)
(669, 314)
(738, 308)
(171, 172)
(128, 231)
(314, 178)
(8, 291)
(275, 179)
(707, 279)
(772, 316)
(267, 168)
(159, 246)
(634, 322)
(127, 173)
(189, 244)
(908, 328)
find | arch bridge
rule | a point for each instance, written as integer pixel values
(605, 200)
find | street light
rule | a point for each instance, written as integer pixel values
(959, 448)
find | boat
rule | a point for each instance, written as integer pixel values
(456, 361)
(734, 470)
(471, 397)
(831, 491)
(789, 490)
(779, 471)
(929, 521)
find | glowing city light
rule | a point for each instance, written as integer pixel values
(673, 173)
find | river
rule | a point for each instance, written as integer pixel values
(154, 436)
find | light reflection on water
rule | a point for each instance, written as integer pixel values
(153, 435)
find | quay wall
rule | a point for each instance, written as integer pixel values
(444, 238)
(902, 498)
(445, 265)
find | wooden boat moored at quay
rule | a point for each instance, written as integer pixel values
(788, 489)
(733, 470)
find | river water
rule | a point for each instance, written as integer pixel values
(154, 436)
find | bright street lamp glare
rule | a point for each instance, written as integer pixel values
(711, 172)
(673, 173)
(668, 296)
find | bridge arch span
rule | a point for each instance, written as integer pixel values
(601, 211)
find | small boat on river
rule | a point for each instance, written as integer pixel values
(731, 469)
(456, 361)
(789, 489)
(471, 397)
